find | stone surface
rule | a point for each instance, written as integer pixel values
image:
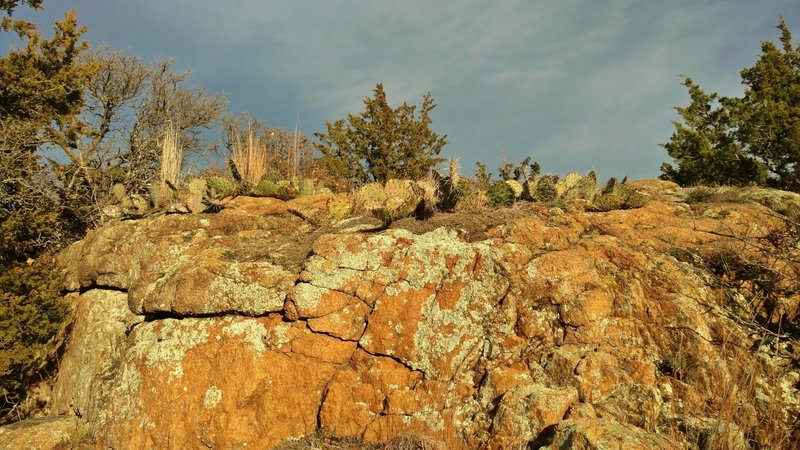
(563, 329)
(601, 434)
(233, 381)
(97, 343)
(52, 433)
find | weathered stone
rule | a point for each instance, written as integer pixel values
(524, 412)
(561, 328)
(600, 434)
(233, 382)
(52, 433)
(598, 376)
(207, 284)
(97, 342)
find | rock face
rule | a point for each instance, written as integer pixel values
(570, 330)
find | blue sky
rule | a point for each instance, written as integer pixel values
(577, 84)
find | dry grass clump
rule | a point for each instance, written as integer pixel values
(411, 441)
(171, 156)
(250, 157)
(320, 441)
(727, 194)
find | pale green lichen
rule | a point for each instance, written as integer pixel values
(164, 343)
(308, 296)
(369, 259)
(212, 397)
(235, 292)
(337, 280)
(431, 417)
(175, 256)
(249, 330)
(789, 393)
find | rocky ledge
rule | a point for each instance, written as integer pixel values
(530, 327)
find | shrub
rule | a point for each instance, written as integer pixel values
(31, 312)
(754, 139)
(382, 143)
(500, 194)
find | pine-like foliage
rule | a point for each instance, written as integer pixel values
(382, 143)
(754, 139)
(704, 145)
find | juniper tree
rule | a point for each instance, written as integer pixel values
(382, 142)
(768, 115)
(754, 139)
(704, 145)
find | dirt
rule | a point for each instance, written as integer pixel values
(472, 224)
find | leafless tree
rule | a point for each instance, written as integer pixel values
(287, 154)
(117, 138)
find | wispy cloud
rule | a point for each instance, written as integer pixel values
(576, 83)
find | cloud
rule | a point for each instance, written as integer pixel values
(576, 83)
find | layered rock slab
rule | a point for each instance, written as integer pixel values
(555, 330)
(229, 382)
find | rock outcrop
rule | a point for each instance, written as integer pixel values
(254, 326)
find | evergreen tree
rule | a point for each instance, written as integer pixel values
(704, 146)
(9, 5)
(768, 116)
(750, 140)
(382, 142)
(41, 84)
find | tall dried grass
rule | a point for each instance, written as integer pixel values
(251, 157)
(292, 161)
(171, 156)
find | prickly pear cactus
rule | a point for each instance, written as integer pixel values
(529, 189)
(306, 187)
(516, 186)
(546, 189)
(160, 196)
(567, 183)
(430, 195)
(402, 200)
(339, 207)
(369, 197)
(536, 169)
(197, 186)
(195, 204)
(500, 194)
(265, 188)
(586, 188)
(217, 189)
(612, 183)
(607, 202)
(618, 196)
(449, 193)
(280, 189)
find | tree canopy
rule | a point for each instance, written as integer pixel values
(9, 5)
(754, 139)
(382, 142)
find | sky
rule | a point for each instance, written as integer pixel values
(575, 84)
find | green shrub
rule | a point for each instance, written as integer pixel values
(500, 194)
(753, 139)
(24, 234)
(382, 143)
(31, 312)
